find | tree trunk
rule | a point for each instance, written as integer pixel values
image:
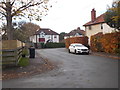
(9, 21)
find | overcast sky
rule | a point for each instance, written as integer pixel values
(66, 15)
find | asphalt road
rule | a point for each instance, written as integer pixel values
(75, 71)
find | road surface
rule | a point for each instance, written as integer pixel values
(74, 71)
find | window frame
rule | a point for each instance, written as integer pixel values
(101, 26)
(90, 27)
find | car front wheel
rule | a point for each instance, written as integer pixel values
(75, 51)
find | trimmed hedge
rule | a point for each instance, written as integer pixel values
(52, 45)
(109, 43)
(82, 40)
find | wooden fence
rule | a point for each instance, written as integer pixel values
(11, 52)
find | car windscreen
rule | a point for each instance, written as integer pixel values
(79, 45)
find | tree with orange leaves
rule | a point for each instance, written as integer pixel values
(112, 16)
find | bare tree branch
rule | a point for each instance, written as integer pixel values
(3, 2)
(13, 2)
(3, 14)
(2, 7)
(25, 7)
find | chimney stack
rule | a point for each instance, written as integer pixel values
(93, 15)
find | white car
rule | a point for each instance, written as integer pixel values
(78, 48)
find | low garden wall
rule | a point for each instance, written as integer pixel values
(109, 43)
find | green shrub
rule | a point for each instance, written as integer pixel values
(54, 45)
(25, 51)
(24, 61)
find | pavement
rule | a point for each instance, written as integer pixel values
(36, 65)
(103, 54)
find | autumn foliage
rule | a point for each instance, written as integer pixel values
(82, 40)
(108, 43)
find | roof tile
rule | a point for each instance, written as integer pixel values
(47, 31)
(99, 19)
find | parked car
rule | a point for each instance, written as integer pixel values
(78, 48)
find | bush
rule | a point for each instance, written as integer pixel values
(25, 52)
(108, 43)
(24, 61)
(96, 42)
(117, 51)
(82, 40)
(54, 45)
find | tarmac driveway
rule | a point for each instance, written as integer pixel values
(74, 71)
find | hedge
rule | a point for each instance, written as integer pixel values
(82, 40)
(52, 45)
(109, 43)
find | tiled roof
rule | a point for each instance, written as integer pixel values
(47, 31)
(73, 32)
(99, 19)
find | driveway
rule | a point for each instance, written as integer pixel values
(74, 71)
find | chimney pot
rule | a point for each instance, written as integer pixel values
(93, 15)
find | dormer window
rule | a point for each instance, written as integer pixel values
(42, 34)
(77, 34)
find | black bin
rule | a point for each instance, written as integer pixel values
(32, 52)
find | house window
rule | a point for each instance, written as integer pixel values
(101, 26)
(55, 36)
(49, 37)
(89, 27)
(42, 34)
(77, 34)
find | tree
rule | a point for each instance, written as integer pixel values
(112, 16)
(62, 34)
(25, 30)
(10, 9)
(29, 28)
(21, 31)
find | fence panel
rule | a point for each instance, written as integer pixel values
(11, 52)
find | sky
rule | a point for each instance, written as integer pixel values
(67, 15)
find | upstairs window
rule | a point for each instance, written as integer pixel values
(42, 34)
(55, 36)
(89, 27)
(101, 26)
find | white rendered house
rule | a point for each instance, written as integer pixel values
(45, 35)
(96, 25)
